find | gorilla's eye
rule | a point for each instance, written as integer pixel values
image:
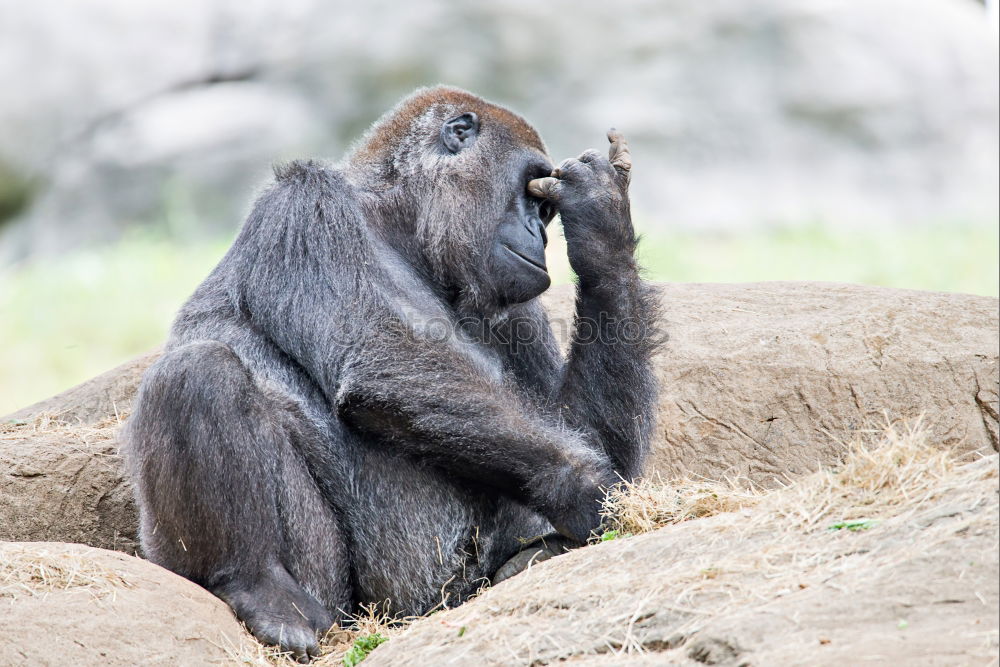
(546, 211)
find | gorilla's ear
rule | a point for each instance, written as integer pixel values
(460, 132)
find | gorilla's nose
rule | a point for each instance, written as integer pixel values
(536, 228)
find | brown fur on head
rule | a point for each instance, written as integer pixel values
(453, 201)
(426, 109)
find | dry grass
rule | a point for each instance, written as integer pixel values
(638, 507)
(28, 572)
(52, 424)
(884, 471)
(893, 485)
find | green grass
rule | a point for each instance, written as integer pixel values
(940, 258)
(362, 647)
(66, 319)
(610, 535)
(853, 525)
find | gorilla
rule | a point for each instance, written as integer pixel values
(364, 401)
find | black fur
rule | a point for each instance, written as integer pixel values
(360, 404)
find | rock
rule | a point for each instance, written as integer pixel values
(755, 587)
(739, 113)
(61, 474)
(187, 162)
(766, 381)
(65, 484)
(71, 604)
(758, 381)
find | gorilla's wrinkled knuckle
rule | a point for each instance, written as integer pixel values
(568, 165)
(578, 173)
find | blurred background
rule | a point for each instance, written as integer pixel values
(772, 139)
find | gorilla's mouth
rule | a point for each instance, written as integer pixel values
(532, 262)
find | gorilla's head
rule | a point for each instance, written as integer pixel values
(457, 167)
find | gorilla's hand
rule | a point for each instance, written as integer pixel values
(591, 193)
(571, 496)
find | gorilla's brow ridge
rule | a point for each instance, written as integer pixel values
(384, 135)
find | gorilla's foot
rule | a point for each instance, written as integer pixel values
(277, 610)
(539, 549)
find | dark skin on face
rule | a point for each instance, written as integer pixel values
(517, 255)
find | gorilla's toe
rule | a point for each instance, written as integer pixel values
(543, 548)
(278, 611)
(298, 640)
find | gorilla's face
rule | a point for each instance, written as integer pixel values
(517, 257)
(515, 232)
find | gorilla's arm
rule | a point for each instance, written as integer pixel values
(438, 406)
(608, 386)
(286, 274)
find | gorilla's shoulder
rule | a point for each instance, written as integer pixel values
(306, 171)
(303, 192)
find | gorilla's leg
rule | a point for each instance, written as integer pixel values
(226, 498)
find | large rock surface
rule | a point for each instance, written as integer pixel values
(766, 380)
(760, 381)
(61, 477)
(740, 112)
(755, 587)
(68, 604)
(65, 484)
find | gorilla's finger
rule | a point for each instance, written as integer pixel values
(619, 153)
(565, 166)
(543, 188)
(572, 169)
(589, 155)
